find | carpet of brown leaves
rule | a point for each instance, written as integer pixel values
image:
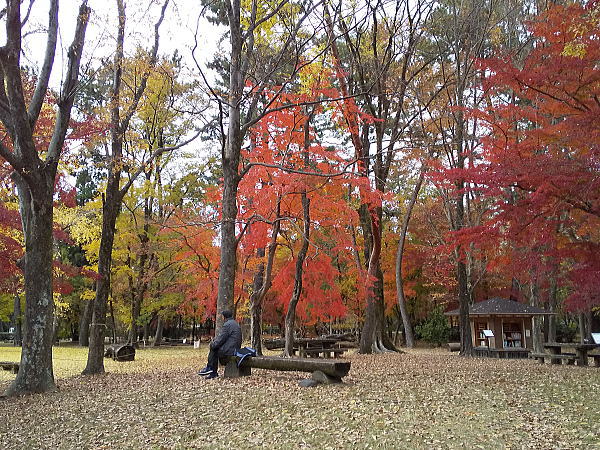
(420, 399)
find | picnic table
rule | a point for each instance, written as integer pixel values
(556, 353)
(313, 347)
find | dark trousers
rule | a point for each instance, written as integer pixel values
(213, 358)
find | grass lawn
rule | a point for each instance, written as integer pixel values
(420, 399)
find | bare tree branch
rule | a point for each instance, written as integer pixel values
(41, 87)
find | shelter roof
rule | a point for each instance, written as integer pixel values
(501, 307)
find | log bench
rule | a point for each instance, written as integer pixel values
(9, 365)
(568, 357)
(120, 352)
(323, 371)
(453, 346)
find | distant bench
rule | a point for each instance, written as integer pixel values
(323, 371)
(9, 365)
(569, 358)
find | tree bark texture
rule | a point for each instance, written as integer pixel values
(17, 321)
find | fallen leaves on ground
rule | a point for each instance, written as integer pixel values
(420, 399)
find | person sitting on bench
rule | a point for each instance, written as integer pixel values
(227, 343)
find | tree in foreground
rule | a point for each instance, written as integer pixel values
(34, 173)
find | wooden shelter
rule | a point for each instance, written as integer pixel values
(502, 327)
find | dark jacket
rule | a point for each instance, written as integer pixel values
(229, 339)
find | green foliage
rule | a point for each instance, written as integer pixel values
(435, 328)
(6, 307)
(566, 330)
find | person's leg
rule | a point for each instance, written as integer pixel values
(212, 364)
(213, 360)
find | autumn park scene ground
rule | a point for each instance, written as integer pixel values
(425, 398)
(299, 223)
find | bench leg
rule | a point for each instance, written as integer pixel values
(233, 371)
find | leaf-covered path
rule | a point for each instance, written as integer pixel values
(422, 399)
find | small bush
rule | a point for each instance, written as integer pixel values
(435, 329)
(566, 331)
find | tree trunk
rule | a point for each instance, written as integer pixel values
(110, 211)
(159, 332)
(258, 296)
(256, 306)
(551, 320)
(35, 180)
(588, 325)
(370, 338)
(17, 320)
(36, 207)
(536, 333)
(290, 317)
(408, 333)
(113, 321)
(464, 323)
(230, 161)
(84, 324)
(114, 194)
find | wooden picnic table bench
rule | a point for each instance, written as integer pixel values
(324, 371)
(569, 358)
(581, 351)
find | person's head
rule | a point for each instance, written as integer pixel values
(227, 314)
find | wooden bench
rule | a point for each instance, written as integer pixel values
(323, 371)
(568, 357)
(9, 365)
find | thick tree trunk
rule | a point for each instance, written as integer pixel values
(17, 321)
(36, 207)
(35, 180)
